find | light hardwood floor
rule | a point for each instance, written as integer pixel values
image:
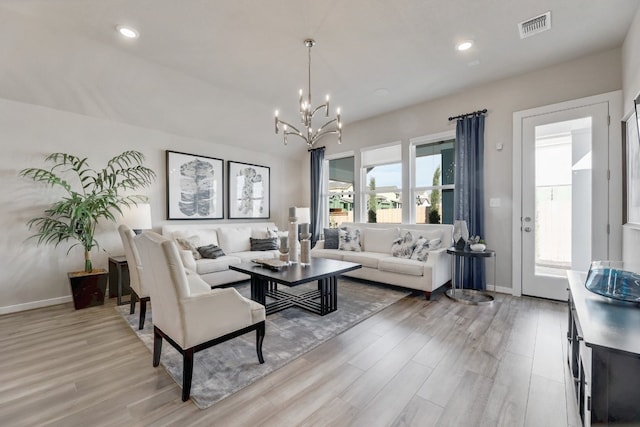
(417, 363)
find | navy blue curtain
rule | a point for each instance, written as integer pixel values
(317, 179)
(468, 202)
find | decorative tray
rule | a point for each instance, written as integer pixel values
(271, 263)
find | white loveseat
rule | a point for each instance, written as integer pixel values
(232, 238)
(379, 264)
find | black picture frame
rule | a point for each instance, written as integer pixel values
(195, 186)
(249, 191)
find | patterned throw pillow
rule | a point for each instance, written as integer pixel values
(403, 246)
(349, 239)
(190, 244)
(264, 244)
(331, 239)
(210, 251)
(423, 247)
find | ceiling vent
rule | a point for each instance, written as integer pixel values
(535, 25)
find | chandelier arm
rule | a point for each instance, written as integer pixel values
(318, 108)
(329, 123)
(319, 136)
(289, 125)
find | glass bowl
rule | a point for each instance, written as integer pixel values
(614, 279)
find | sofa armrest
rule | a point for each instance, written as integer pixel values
(439, 262)
(319, 244)
(188, 261)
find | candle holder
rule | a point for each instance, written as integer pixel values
(284, 249)
(293, 239)
(305, 245)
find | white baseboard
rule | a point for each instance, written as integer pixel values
(500, 289)
(34, 304)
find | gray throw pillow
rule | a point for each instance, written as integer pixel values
(210, 251)
(264, 244)
(331, 240)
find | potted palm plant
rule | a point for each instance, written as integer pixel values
(89, 196)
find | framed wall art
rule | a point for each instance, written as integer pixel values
(249, 190)
(194, 186)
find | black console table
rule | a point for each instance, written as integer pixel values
(603, 355)
(119, 278)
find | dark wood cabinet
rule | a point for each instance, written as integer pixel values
(604, 356)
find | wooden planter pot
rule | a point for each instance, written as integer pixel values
(88, 289)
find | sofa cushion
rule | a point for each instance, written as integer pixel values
(403, 246)
(367, 259)
(251, 255)
(379, 239)
(210, 251)
(402, 266)
(264, 233)
(349, 239)
(328, 253)
(205, 266)
(267, 244)
(331, 239)
(234, 239)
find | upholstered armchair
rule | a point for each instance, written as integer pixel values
(139, 291)
(192, 320)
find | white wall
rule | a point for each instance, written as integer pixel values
(591, 75)
(631, 89)
(31, 275)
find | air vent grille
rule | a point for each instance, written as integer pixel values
(535, 25)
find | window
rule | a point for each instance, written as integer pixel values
(382, 184)
(341, 194)
(434, 182)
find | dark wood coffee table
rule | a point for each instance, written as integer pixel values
(324, 300)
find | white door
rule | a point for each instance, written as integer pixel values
(564, 196)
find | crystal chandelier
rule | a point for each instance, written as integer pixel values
(308, 133)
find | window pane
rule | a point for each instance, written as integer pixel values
(385, 177)
(384, 208)
(434, 164)
(341, 173)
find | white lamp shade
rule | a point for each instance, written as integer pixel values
(304, 215)
(136, 217)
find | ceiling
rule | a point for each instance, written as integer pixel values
(231, 63)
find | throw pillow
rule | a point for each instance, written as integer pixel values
(403, 246)
(264, 244)
(331, 239)
(190, 244)
(379, 239)
(210, 251)
(423, 247)
(349, 239)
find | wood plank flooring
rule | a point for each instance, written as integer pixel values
(417, 363)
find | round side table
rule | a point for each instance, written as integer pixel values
(457, 292)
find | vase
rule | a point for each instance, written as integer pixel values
(460, 234)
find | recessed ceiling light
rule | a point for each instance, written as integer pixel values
(465, 45)
(128, 32)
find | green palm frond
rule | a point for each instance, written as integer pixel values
(75, 216)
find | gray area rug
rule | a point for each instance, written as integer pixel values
(228, 367)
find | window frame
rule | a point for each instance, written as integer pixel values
(326, 194)
(365, 193)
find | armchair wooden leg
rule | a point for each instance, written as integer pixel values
(259, 339)
(143, 312)
(157, 346)
(134, 297)
(187, 373)
(427, 295)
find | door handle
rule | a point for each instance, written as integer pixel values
(527, 229)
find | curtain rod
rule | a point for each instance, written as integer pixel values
(462, 116)
(316, 148)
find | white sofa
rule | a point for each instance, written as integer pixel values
(379, 264)
(232, 238)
